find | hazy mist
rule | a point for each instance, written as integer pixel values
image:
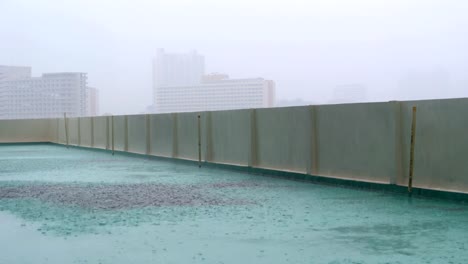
(397, 49)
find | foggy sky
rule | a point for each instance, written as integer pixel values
(307, 47)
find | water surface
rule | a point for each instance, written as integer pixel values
(61, 205)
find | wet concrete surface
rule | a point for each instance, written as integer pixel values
(118, 196)
(81, 206)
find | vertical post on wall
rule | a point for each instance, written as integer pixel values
(126, 133)
(174, 135)
(398, 176)
(66, 128)
(79, 131)
(148, 134)
(112, 136)
(312, 159)
(92, 131)
(411, 165)
(199, 142)
(252, 155)
(315, 142)
(107, 133)
(57, 130)
(208, 139)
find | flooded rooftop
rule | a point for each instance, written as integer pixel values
(61, 205)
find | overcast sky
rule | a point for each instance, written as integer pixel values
(307, 47)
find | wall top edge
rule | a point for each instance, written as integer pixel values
(246, 109)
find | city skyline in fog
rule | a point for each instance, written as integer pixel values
(395, 49)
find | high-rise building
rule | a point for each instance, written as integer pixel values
(48, 96)
(177, 69)
(216, 95)
(180, 85)
(92, 101)
(14, 72)
(10, 73)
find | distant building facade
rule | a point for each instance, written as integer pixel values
(14, 72)
(213, 77)
(216, 95)
(48, 96)
(7, 74)
(92, 101)
(177, 69)
(180, 85)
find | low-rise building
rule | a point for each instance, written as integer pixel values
(48, 96)
(218, 94)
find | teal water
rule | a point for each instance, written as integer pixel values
(61, 205)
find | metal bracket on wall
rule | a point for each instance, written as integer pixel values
(126, 133)
(112, 135)
(148, 134)
(66, 127)
(199, 142)
(79, 130)
(413, 138)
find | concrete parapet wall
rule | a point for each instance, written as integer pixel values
(25, 130)
(357, 141)
(162, 135)
(86, 132)
(282, 138)
(61, 136)
(367, 142)
(441, 144)
(137, 134)
(53, 129)
(120, 133)
(74, 134)
(226, 136)
(100, 132)
(187, 135)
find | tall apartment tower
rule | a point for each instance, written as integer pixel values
(176, 69)
(7, 74)
(14, 72)
(180, 85)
